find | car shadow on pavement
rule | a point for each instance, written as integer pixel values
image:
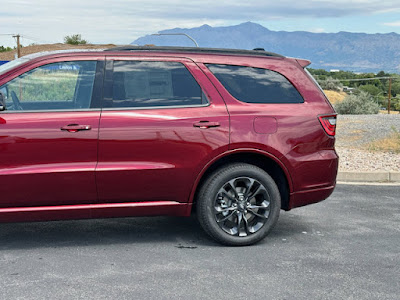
(178, 231)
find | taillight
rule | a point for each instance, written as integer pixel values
(328, 122)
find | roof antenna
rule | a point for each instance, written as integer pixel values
(188, 36)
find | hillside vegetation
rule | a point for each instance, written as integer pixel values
(375, 85)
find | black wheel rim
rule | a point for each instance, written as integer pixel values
(242, 206)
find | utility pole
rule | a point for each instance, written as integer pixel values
(18, 45)
(390, 94)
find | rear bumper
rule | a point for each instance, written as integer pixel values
(302, 198)
(316, 178)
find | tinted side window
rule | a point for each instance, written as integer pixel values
(64, 85)
(150, 83)
(254, 85)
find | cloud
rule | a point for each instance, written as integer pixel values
(393, 24)
(317, 30)
(122, 21)
(252, 10)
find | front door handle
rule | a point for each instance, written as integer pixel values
(206, 124)
(75, 127)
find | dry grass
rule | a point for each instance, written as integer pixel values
(335, 97)
(388, 144)
(392, 112)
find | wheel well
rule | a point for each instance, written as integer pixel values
(259, 160)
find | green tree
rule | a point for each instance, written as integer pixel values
(395, 103)
(371, 89)
(4, 49)
(382, 74)
(395, 88)
(75, 39)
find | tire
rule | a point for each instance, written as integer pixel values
(238, 204)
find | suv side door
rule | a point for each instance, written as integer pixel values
(49, 131)
(162, 121)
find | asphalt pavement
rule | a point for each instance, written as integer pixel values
(346, 247)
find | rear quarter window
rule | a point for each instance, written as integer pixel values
(255, 85)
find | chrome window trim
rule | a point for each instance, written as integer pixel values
(155, 107)
(49, 110)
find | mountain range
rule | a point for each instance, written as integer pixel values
(358, 52)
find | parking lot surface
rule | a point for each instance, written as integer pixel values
(346, 247)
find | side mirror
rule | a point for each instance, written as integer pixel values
(2, 102)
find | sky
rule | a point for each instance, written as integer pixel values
(123, 21)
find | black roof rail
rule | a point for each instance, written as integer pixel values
(256, 52)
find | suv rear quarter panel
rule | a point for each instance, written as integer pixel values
(295, 136)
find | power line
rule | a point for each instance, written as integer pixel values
(24, 36)
(360, 79)
(32, 38)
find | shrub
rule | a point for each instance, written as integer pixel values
(331, 84)
(361, 104)
(74, 39)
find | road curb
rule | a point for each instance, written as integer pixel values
(346, 176)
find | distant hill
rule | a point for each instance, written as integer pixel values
(359, 52)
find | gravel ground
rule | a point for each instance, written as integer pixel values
(366, 161)
(356, 132)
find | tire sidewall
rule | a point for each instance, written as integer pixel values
(210, 189)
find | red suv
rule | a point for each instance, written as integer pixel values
(139, 131)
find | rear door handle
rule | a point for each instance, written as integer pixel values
(206, 124)
(75, 127)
